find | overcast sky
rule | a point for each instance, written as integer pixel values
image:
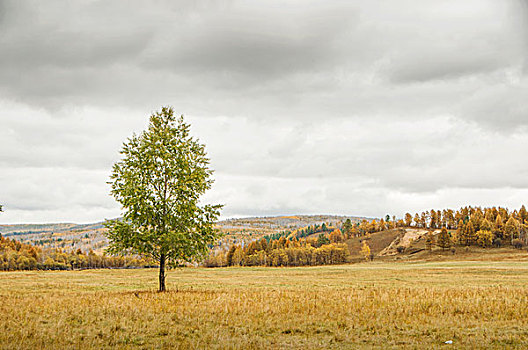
(340, 107)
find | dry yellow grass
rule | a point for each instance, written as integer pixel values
(371, 305)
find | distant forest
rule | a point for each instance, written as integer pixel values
(319, 244)
(15, 255)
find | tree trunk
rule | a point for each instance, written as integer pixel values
(162, 273)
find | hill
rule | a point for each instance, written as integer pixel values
(409, 244)
(90, 236)
(377, 242)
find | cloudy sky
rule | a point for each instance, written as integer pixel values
(343, 107)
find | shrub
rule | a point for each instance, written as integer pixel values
(517, 243)
(497, 242)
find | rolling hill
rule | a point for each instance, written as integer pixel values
(90, 236)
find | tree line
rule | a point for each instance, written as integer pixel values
(15, 255)
(300, 233)
(323, 250)
(487, 227)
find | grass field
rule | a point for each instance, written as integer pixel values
(476, 304)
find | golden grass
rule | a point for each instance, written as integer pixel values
(476, 304)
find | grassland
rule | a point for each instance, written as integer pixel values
(476, 304)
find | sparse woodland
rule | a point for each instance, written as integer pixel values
(15, 255)
(485, 227)
(324, 245)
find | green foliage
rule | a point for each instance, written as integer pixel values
(277, 235)
(159, 181)
(347, 228)
(322, 240)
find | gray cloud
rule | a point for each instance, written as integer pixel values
(305, 106)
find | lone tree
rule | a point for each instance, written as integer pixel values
(365, 251)
(158, 182)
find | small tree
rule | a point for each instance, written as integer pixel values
(365, 251)
(322, 240)
(429, 241)
(347, 228)
(443, 240)
(336, 236)
(230, 254)
(511, 229)
(159, 181)
(517, 243)
(408, 219)
(471, 234)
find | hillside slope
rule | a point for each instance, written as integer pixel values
(90, 236)
(377, 242)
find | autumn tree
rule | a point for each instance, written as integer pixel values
(372, 226)
(230, 254)
(443, 240)
(433, 219)
(460, 233)
(336, 236)
(511, 229)
(429, 241)
(470, 234)
(484, 238)
(408, 219)
(523, 215)
(486, 225)
(450, 218)
(417, 220)
(382, 226)
(423, 220)
(497, 230)
(365, 251)
(159, 181)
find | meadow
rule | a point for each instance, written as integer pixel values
(475, 304)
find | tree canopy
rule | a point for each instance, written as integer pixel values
(159, 181)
